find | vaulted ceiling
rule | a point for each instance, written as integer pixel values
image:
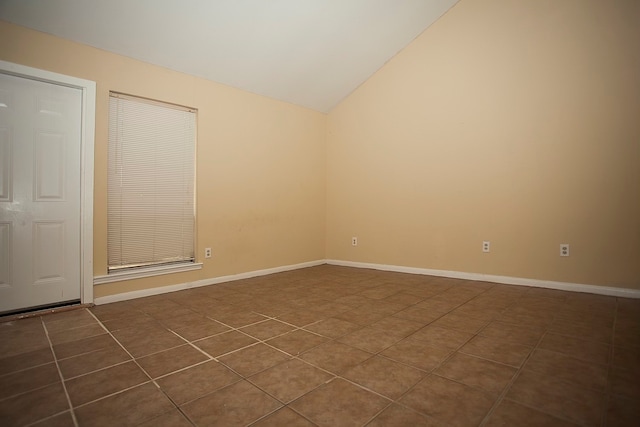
(311, 53)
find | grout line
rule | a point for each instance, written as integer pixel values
(62, 381)
(608, 388)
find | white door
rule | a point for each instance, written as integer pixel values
(40, 142)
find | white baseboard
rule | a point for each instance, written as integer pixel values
(205, 282)
(519, 281)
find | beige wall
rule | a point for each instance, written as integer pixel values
(511, 121)
(260, 163)
(516, 122)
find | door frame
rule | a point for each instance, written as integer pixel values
(87, 141)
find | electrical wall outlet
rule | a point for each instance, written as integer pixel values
(564, 249)
(486, 246)
(207, 252)
(354, 241)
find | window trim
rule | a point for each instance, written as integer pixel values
(141, 272)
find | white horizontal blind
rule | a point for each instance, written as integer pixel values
(151, 208)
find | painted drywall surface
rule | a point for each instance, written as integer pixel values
(260, 163)
(516, 122)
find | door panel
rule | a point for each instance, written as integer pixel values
(40, 131)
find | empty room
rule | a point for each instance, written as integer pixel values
(319, 213)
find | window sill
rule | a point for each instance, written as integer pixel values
(146, 272)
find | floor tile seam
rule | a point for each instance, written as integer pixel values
(115, 393)
(486, 359)
(76, 339)
(364, 387)
(17, 371)
(22, 393)
(387, 406)
(50, 417)
(64, 386)
(59, 331)
(185, 368)
(98, 370)
(580, 338)
(526, 405)
(451, 354)
(508, 386)
(267, 414)
(133, 359)
(610, 367)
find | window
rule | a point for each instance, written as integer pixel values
(151, 180)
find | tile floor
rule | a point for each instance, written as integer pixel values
(329, 346)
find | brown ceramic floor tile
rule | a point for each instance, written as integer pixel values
(404, 298)
(396, 415)
(89, 362)
(498, 350)
(460, 323)
(510, 413)
(627, 334)
(147, 340)
(625, 383)
(116, 310)
(197, 381)
(75, 334)
(371, 339)
(623, 412)
(435, 306)
(478, 313)
(569, 369)
(283, 417)
(360, 316)
(353, 301)
(61, 420)
(102, 383)
(384, 376)
(448, 401)
(25, 360)
(29, 379)
(599, 333)
(625, 358)
(68, 320)
(525, 335)
(267, 329)
(254, 359)
(558, 398)
(417, 314)
(224, 343)
(194, 326)
(290, 380)
(131, 407)
(301, 318)
(397, 325)
(239, 319)
(333, 328)
(442, 337)
(588, 351)
(136, 320)
(297, 342)
(168, 361)
(490, 376)
(30, 407)
(228, 406)
(417, 353)
(335, 357)
(379, 292)
(87, 345)
(169, 419)
(339, 403)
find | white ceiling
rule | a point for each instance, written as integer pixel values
(308, 52)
